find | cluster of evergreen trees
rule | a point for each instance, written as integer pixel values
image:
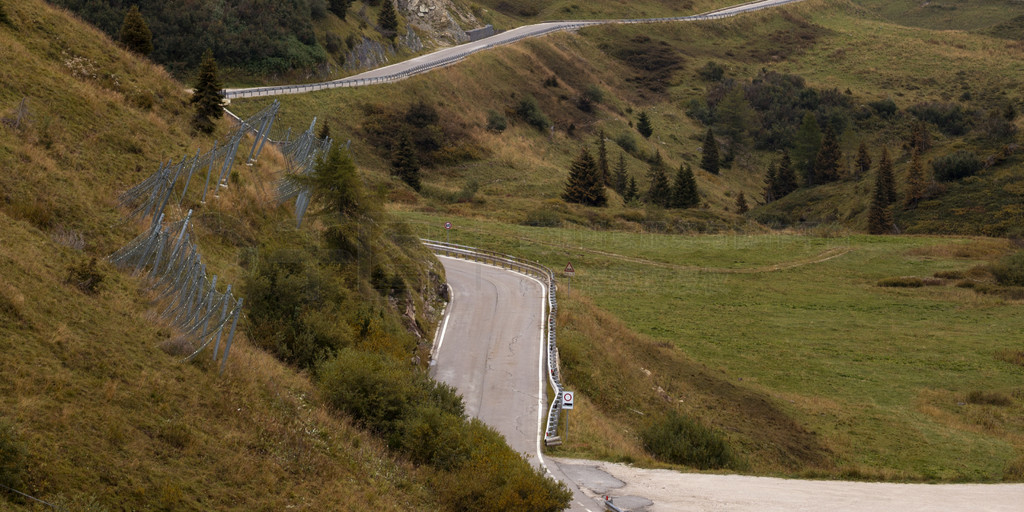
(589, 177)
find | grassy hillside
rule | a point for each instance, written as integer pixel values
(99, 412)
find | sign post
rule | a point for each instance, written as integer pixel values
(447, 229)
(567, 397)
(569, 272)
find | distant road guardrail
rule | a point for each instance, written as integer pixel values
(449, 56)
(533, 269)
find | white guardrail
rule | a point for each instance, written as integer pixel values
(533, 269)
(277, 90)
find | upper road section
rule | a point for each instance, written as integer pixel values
(447, 56)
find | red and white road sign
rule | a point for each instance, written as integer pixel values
(567, 397)
(569, 271)
(447, 225)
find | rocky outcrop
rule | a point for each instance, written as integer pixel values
(440, 22)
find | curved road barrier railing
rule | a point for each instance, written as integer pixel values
(532, 269)
(494, 41)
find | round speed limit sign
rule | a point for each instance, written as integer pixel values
(567, 397)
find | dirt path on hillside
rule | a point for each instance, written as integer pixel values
(659, 490)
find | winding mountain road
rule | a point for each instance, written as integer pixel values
(447, 56)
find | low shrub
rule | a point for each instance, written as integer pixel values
(989, 398)
(1011, 356)
(908, 282)
(529, 112)
(950, 118)
(950, 274)
(543, 218)
(681, 440)
(496, 121)
(884, 108)
(1009, 271)
(956, 166)
(86, 277)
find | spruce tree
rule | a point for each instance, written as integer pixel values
(584, 185)
(920, 139)
(863, 160)
(339, 7)
(643, 125)
(632, 192)
(734, 116)
(336, 182)
(886, 180)
(787, 177)
(602, 159)
(684, 190)
(741, 204)
(879, 218)
(709, 160)
(826, 164)
(806, 147)
(660, 191)
(135, 34)
(915, 181)
(207, 97)
(404, 163)
(771, 183)
(325, 132)
(387, 20)
(621, 180)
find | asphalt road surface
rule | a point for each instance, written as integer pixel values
(446, 56)
(491, 349)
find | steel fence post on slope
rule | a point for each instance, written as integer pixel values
(209, 169)
(191, 171)
(223, 318)
(231, 335)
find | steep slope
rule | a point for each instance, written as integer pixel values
(98, 411)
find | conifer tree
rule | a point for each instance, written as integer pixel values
(632, 192)
(584, 185)
(863, 160)
(325, 131)
(643, 125)
(787, 177)
(387, 20)
(826, 164)
(621, 180)
(602, 159)
(709, 160)
(741, 204)
(920, 139)
(886, 180)
(879, 218)
(660, 191)
(806, 147)
(771, 183)
(339, 7)
(135, 34)
(404, 163)
(207, 97)
(915, 181)
(684, 190)
(336, 182)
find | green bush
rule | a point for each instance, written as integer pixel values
(950, 118)
(529, 112)
(956, 166)
(989, 398)
(681, 440)
(12, 458)
(543, 217)
(1009, 271)
(496, 121)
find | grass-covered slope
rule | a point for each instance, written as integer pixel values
(97, 409)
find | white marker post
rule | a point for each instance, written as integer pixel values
(447, 229)
(567, 397)
(569, 272)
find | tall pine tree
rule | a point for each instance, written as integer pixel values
(826, 164)
(602, 159)
(771, 183)
(643, 125)
(387, 20)
(863, 160)
(787, 181)
(660, 191)
(806, 147)
(632, 192)
(621, 179)
(684, 190)
(404, 163)
(206, 96)
(915, 181)
(584, 185)
(885, 176)
(879, 217)
(709, 159)
(741, 204)
(135, 34)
